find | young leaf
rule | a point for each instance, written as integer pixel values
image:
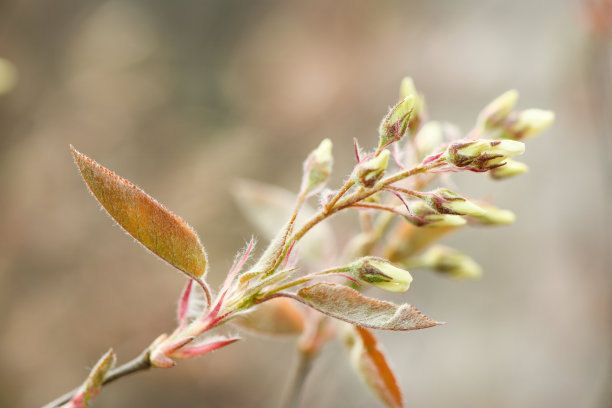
(154, 226)
(347, 304)
(371, 365)
(91, 387)
(276, 317)
(269, 208)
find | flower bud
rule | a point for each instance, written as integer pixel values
(451, 262)
(498, 109)
(530, 122)
(318, 166)
(394, 125)
(445, 201)
(482, 155)
(510, 169)
(407, 89)
(427, 217)
(495, 216)
(370, 171)
(429, 137)
(8, 76)
(381, 273)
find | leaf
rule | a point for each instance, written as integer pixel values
(158, 229)
(371, 365)
(269, 208)
(347, 304)
(276, 317)
(93, 384)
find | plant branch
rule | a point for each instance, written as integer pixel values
(139, 363)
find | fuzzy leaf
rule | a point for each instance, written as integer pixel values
(154, 226)
(269, 208)
(347, 304)
(276, 317)
(371, 365)
(91, 387)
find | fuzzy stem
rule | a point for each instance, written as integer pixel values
(139, 363)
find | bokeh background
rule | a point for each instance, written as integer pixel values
(184, 97)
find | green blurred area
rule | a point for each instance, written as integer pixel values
(182, 98)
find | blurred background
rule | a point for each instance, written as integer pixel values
(184, 97)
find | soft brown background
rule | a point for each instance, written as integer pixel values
(183, 97)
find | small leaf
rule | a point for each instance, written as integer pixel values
(347, 304)
(371, 365)
(154, 226)
(269, 208)
(91, 387)
(275, 317)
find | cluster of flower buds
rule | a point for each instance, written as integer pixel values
(370, 171)
(499, 119)
(445, 201)
(318, 166)
(380, 273)
(482, 155)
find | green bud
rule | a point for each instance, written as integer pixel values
(393, 126)
(429, 218)
(530, 122)
(429, 138)
(445, 201)
(381, 273)
(369, 172)
(8, 76)
(482, 155)
(451, 262)
(407, 89)
(318, 166)
(495, 216)
(498, 109)
(510, 169)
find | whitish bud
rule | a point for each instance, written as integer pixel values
(429, 137)
(407, 89)
(381, 273)
(445, 201)
(482, 155)
(452, 262)
(495, 216)
(370, 171)
(530, 122)
(318, 166)
(427, 217)
(8, 76)
(510, 169)
(498, 109)
(393, 126)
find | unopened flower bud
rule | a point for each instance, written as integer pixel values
(8, 76)
(318, 166)
(482, 155)
(394, 125)
(429, 137)
(407, 88)
(452, 262)
(370, 171)
(510, 169)
(425, 216)
(445, 201)
(495, 216)
(381, 273)
(498, 109)
(530, 122)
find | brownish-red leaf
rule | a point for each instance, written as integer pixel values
(371, 364)
(154, 226)
(347, 304)
(275, 317)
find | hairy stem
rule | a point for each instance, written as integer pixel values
(139, 363)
